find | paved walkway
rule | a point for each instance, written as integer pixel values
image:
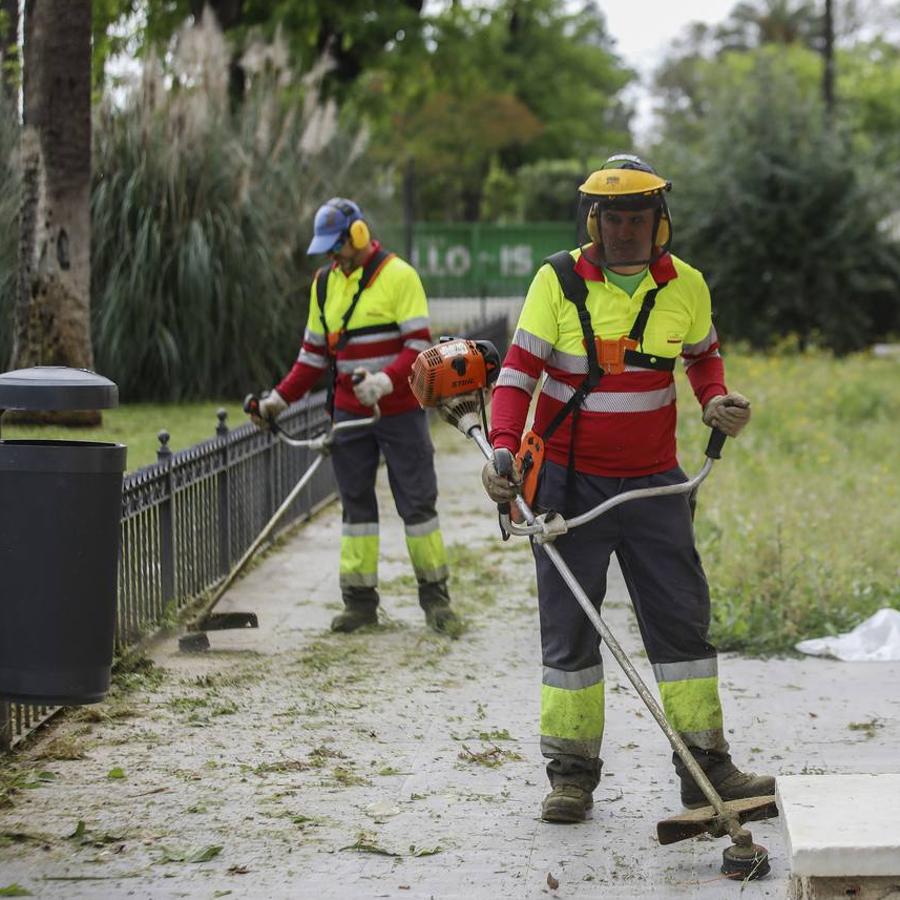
(289, 762)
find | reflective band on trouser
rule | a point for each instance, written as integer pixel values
(359, 555)
(426, 550)
(572, 712)
(690, 696)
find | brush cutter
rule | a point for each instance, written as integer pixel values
(206, 620)
(452, 377)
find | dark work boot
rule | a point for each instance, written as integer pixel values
(566, 804)
(730, 782)
(435, 600)
(360, 609)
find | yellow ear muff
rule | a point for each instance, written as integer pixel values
(359, 234)
(593, 224)
(663, 232)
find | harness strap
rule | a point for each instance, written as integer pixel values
(645, 360)
(370, 270)
(575, 290)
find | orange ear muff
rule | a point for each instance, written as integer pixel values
(359, 234)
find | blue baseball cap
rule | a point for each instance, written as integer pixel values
(332, 224)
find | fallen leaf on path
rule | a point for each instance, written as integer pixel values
(366, 844)
(552, 883)
(198, 856)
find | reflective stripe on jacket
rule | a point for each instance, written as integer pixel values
(627, 424)
(388, 329)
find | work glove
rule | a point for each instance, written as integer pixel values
(501, 488)
(270, 406)
(728, 412)
(369, 388)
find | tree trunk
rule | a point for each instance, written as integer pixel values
(9, 47)
(828, 60)
(52, 316)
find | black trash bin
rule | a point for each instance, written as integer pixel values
(60, 506)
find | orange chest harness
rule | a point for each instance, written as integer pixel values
(605, 356)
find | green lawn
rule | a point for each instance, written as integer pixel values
(138, 424)
(799, 524)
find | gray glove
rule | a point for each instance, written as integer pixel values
(501, 488)
(728, 412)
(371, 387)
(269, 408)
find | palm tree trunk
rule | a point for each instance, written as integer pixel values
(10, 50)
(828, 60)
(52, 316)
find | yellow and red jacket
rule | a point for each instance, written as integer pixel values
(388, 329)
(627, 422)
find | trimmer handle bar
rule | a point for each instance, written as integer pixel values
(320, 441)
(548, 526)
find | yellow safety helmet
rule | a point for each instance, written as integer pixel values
(625, 181)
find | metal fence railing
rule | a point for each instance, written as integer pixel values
(188, 518)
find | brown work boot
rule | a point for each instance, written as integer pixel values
(566, 803)
(731, 785)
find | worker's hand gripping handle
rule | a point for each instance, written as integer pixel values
(356, 378)
(715, 444)
(504, 463)
(251, 407)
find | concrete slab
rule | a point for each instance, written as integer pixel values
(838, 825)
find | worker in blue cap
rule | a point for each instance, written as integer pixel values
(368, 321)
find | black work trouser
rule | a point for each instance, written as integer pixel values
(654, 543)
(405, 443)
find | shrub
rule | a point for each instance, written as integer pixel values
(785, 216)
(201, 215)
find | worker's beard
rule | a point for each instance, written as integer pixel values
(626, 253)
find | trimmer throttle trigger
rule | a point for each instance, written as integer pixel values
(251, 407)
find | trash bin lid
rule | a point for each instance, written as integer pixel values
(56, 387)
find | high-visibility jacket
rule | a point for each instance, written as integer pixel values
(388, 329)
(626, 427)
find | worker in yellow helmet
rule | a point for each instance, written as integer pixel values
(600, 331)
(368, 320)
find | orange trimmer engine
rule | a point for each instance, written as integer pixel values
(452, 368)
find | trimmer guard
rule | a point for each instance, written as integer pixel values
(705, 820)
